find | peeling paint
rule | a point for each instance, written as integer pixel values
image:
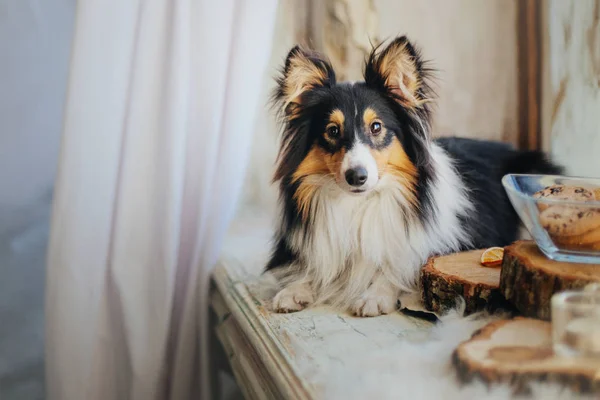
(573, 97)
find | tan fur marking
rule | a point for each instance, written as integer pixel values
(302, 76)
(303, 197)
(316, 163)
(401, 74)
(313, 164)
(369, 116)
(293, 111)
(334, 163)
(394, 160)
(337, 117)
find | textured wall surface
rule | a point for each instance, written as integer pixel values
(345, 30)
(473, 45)
(571, 97)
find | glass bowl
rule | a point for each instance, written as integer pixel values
(564, 230)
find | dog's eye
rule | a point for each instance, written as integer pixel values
(333, 131)
(376, 128)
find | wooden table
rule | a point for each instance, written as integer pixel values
(276, 356)
(321, 353)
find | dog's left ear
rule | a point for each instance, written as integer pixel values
(399, 71)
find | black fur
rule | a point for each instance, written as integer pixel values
(481, 165)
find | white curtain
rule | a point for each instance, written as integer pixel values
(161, 102)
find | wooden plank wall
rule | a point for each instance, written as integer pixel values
(529, 48)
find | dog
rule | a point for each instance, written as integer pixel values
(366, 194)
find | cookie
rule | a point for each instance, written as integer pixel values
(589, 238)
(578, 247)
(559, 220)
(562, 192)
(597, 194)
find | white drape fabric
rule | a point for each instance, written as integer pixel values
(161, 102)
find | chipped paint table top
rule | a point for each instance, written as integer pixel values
(288, 355)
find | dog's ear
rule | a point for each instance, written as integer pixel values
(399, 71)
(304, 70)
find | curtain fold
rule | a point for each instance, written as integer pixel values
(161, 103)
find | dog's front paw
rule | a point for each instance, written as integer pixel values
(372, 305)
(293, 298)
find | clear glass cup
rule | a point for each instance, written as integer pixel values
(592, 287)
(576, 323)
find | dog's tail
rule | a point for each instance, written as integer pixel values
(530, 162)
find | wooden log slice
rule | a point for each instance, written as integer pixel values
(529, 279)
(445, 278)
(519, 351)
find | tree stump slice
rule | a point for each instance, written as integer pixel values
(519, 351)
(528, 278)
(445, 278)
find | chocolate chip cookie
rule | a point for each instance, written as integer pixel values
(569, 220)
(563, 192)
(589, 240)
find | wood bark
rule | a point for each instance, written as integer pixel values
(528, 279)
(446, 278)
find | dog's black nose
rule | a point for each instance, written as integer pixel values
(356, 176)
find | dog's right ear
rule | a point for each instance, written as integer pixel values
(304, 70)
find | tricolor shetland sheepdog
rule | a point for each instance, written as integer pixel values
(366, 195)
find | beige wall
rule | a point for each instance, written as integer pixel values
(473, 45)
(571, 94)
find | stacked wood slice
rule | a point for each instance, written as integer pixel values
(446, 278)
(519, 351)
(529, 279)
